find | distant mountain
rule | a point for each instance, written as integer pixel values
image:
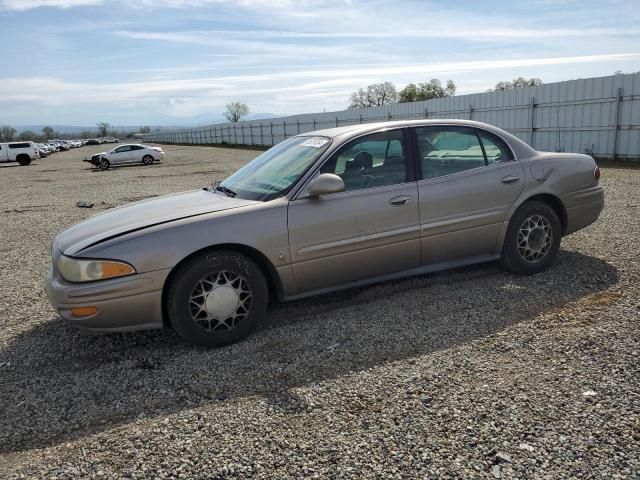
(167, 123)
(64, 129)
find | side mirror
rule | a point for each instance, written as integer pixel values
(326, 183)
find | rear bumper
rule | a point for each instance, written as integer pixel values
(583, 207)
(123, 304)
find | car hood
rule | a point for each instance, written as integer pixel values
(136, 216)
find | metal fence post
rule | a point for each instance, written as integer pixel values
(314, 124)
(617, 123)
(389, 116)
(470, 111)
(271, 128)
(298, 125)
(426, 113)
(261, 134)
(532, 106)
(360, 118)
(284, 128)
(336, 121)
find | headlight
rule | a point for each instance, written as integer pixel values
(87, 270)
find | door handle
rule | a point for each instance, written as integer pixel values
(400, 201)
(510, 179)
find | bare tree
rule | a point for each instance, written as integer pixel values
(8, 133)
(375, 95)
(235, 111)
(103, 128)
(519, 82)
(426, 91)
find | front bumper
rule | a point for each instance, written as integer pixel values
(123, 304)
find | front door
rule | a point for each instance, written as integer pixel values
(368, 230)
(120, 155)
(469, 182)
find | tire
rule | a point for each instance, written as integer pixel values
(202, 319)
(104, 163)
(23, 160)
(147, 160)
(532, 240)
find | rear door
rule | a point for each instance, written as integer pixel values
(368, 230)
(470, 179)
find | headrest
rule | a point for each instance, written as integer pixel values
(363, 160)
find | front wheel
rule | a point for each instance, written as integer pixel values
(532, 240)
(104, 163)
(24, 160)
(216, 298)
(147, 159)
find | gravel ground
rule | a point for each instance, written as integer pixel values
(472, 373)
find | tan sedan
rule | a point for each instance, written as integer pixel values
(318, 212)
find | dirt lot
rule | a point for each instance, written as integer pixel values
(473, 373)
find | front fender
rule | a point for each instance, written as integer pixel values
(261, 227)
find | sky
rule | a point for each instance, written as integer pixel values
(179, 62)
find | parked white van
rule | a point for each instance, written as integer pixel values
(21, 152)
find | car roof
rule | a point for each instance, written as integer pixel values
(347, 132)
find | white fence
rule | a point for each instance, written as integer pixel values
(599, 116)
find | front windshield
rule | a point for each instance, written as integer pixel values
(273, 173)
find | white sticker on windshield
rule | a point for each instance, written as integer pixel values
(315, 142)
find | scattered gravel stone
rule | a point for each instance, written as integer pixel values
(471, 373)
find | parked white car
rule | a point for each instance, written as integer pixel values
(21, 152)
(127, 154)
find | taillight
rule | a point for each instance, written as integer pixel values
(596, 173)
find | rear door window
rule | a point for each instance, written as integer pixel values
(448, 150)
(495, 148)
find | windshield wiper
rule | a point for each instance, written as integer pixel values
(227, 191)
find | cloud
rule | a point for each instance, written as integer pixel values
(30, 4)
(200, 93)
(204, 38)
(477, 34)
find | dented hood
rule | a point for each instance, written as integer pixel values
(140, 215)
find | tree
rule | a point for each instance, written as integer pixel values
(47, 132)
(375, 95)
(235, 111)
(8, 133)
(519, 82)
(28, 135)
(426, 91)
(103, 128)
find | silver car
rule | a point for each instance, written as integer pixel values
(127, 154)
(318, 212)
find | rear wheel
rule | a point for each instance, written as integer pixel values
(217, 298)
(532, 240)
(24, 159)
(147, 159)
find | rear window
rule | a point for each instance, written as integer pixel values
(19, 145)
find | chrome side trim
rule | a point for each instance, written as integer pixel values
(357, 240)
(426, 228)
